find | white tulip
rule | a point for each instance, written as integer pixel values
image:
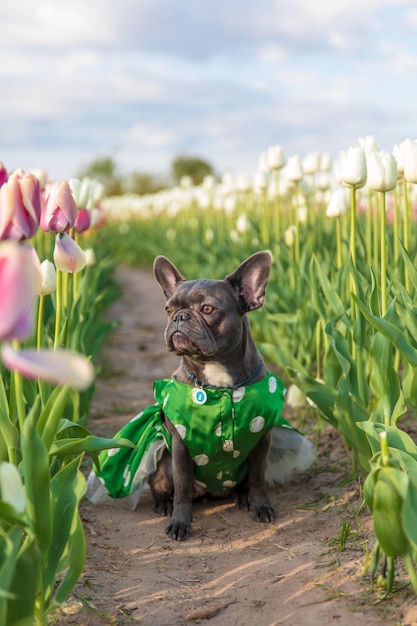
(382, 170)
(260, 182)
(410, 160)
(294, 170)
(352, 167)
(48, 278)
(325, 162)
(398, 152)
(275, 157)
(11, 488)
(339, 203)
(368, 143)
(294, 397)
(311, 163)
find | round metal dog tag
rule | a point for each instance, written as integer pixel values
(199, 396)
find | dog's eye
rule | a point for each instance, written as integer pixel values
(207, 309)
(168, 310)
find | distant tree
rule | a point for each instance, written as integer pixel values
(104, 169)
(143, 183)
(194, 167)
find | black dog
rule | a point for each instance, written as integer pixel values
(208, 328)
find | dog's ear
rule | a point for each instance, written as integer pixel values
(167, 275)
(250, 279)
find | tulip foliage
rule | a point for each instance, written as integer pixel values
(340, 317)
(46, 385)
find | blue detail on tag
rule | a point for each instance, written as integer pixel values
(199, 396)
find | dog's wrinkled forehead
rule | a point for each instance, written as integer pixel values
(204, 290)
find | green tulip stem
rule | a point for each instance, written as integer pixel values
(65, 287)
(58, 307)
(265, 224)
(318, 348)
(383, 268)
(18, 391)
(384, 448)
(411, 571)
(40, 320)
(369, 229)
(395, 227)
(339, 242)
(277, 208)
(352, 252)
(406, 232)
(352, 240)
(297, 227)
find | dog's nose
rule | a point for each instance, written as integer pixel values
(181, 316)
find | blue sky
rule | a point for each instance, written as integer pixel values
(146, 80)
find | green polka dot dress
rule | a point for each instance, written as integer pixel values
(219, 427)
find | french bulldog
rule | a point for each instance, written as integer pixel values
(209, 330)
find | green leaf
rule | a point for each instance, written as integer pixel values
(88, 444)
(396, 438)
(26, 584)
(51, 415)
(9, 431)
(74, 561)
(67, 488)
(398, 338)
(9, 548)
(36, 478)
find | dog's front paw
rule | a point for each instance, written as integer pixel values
(264, 513)
(178, 530)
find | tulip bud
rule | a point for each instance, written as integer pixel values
(59, 210)
(352, 167)
(289, 236)
(339, 203)
(68, 255)
(294, 397)
(20, 206)
(410, 160)
(48, 278)
(4, 177)
(294, 169)
(311, 163)
(275, 157)
(325, 162)
(81, 192)
(83, 220)
(260, 182)
(382, 171)
(20, 283)
(90, 257)
(368, 143)
(11, 488)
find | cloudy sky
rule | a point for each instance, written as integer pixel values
(146, 80)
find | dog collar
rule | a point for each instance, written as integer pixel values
(202, 385)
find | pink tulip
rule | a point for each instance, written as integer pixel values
(20, 283)
(59, 210)
(20, 206)
(59, 367)
(3, 174)
(83, 220)
(68, 255)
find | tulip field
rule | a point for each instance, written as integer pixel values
(340, 320)
(339, 325)
(50, 331)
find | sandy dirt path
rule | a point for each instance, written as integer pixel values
(233, 571)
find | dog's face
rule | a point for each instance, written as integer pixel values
(204, 320)
(205, 316)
